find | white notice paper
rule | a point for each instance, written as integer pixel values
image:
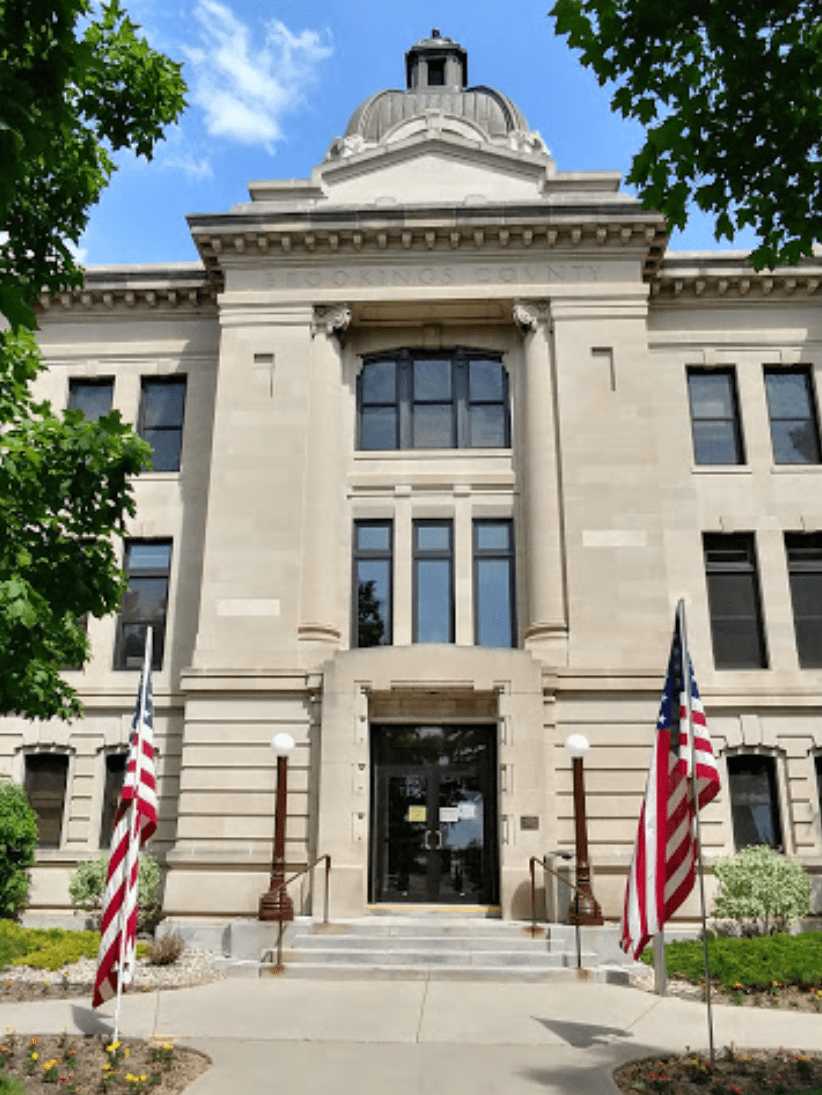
(467, 811)
(449, 813)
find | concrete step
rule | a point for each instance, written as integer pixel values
(325, 972)
(408, 956)
(311, 941)
(410, 927)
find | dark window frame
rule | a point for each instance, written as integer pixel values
(158, 647)
(813, 411)
(817, 764)
(79, 383)
(365, 553)
(423, 554)
(767, 762)
(108, 806)
(169, 380)
(811, 544)
(509, 556)
(735, 420)
(461, 402)
(736, 542)
(64, 756)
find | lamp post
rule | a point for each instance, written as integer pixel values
(584, 907)
(275, 904)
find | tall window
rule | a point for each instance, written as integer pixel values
(419, 401)
(162, 407)
(494, 584)
(754, 801)
(45, 782)
(804, 551)
(715, 417)
(733, 599)
(148, 564)
(794, 426)
(115, 774)
(373, 544)
(92, 397)
(818, 765)
(433, 582)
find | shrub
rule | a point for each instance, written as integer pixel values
(88, 884)
(166, 950)
(18, 840)
(761, 890)
(751, 964)
(53, 954)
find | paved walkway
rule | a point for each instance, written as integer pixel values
(417, 1037)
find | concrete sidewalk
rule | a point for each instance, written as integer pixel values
(417, 1037)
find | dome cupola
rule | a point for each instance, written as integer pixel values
(436, 62)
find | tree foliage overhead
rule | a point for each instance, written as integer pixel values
(730, 95)
(68, 99)
(77, 82)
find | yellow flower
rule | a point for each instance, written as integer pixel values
(126, 1051)
(169, 1046)
(143, 1077)
(46, 1065)
(113, 1047)
(107, 1066)
(35, 1056)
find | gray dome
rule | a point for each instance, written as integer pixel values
(436, 71)
(488, 109)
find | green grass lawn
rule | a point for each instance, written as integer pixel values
(751, 964)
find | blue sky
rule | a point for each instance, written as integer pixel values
(270, 86)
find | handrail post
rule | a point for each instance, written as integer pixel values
(327, 887)
(533, 897)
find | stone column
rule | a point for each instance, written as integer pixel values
(320, 607)
(546, 631)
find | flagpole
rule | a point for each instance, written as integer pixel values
(686, 679)
(132, 836)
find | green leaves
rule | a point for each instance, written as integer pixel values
(67, 97)
(739, 89)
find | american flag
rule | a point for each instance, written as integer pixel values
(664, 865)
(134, 823)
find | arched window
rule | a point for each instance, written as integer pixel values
(449, 400)
(754, 800)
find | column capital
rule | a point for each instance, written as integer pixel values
(529, 314)
(331, 319)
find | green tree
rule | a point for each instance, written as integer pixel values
(76, 85)
(730, 95)
(370, 623)
(18, 840)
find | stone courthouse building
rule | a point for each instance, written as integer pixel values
(442, 432)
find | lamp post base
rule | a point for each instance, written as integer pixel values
(585, 911)
(276, 907)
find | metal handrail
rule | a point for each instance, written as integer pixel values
(543, 862)
(287, 882)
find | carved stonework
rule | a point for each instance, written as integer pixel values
(333, 319)
(529, 314)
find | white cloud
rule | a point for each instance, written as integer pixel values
(245, 83)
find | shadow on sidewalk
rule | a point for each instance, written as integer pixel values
(583, 1035)
(89, 1022)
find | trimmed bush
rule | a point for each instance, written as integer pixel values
(48, 948)
(752, 964)
(88, 883)
(761, 890)
(18, 841)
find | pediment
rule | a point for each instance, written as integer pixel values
(442, 167)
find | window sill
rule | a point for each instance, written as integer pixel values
(721, 469)
(796, 469)
(431, 454)
(155, 477)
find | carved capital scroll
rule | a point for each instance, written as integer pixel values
(529, 314)
(332, 319)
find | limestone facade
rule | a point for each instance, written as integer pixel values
(437, 227)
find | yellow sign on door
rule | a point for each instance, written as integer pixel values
(416, 814)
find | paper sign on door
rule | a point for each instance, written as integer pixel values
(467, 811)
(415, 813)
(449, 813)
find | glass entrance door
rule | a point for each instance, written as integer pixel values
(433, 832)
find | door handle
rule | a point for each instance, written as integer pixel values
(438, 835)
(427, 840)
